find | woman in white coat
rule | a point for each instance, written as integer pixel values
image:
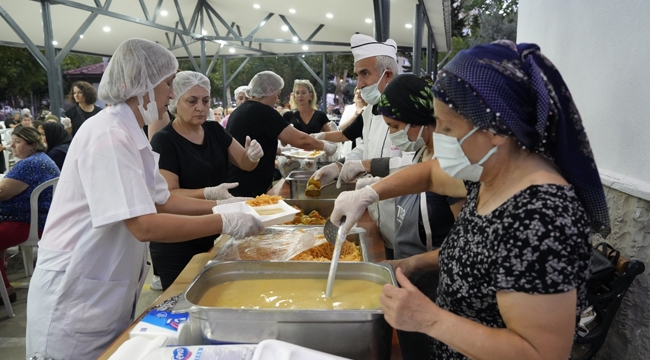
(110, 201)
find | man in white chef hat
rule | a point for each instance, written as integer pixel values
(375, 64)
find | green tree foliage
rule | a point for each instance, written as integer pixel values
(288, 67)
(495, 25)
(21, 76)
(472, 10)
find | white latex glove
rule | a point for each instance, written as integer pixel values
(365, 181)
(233, 200)
(332, 125)
(352, 204)
(352, 170)
(329, 148)
(219, 192)
(240, 225)
(328, 173)
(67, 123)
(253, 149)
(318, 136)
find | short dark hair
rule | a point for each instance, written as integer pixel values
(87, 90)
(31, 136)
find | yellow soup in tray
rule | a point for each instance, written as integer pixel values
(303, 294)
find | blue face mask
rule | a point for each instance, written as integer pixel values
(452, 158)
(370, 93)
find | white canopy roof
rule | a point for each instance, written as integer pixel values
(260, 23)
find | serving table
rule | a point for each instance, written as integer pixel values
(375, 250)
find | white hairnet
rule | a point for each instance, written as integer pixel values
(241, 89)
(184, 81)
(137, 66)
(264, 83)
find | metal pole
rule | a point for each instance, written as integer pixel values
(429, 64)
(324, 75)
(225, 83)
(203, 61)
(417, 39)
(54, 78)
(382, 19)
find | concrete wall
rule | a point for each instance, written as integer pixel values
(629, 335)
(602, 49)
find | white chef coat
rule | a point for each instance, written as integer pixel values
(90, 267)
(377, 144)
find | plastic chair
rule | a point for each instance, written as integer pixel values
(605, 299)
(26, 247)
(5, 295)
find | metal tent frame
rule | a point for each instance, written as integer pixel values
(184, 34)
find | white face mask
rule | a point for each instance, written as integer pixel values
(370, 93)
(151, 114)
(452, 158)
(401, 140)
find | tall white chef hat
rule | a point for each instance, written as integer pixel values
(364, 46)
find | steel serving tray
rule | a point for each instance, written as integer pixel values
(355, 334)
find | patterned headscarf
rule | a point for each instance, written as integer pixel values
(408, 98)
(514, 90)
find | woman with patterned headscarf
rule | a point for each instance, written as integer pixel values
(514, 267)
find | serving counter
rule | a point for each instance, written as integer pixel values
(375, 249)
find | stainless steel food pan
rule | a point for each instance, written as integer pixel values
(355, 334)
(227, 253)
(298, 183)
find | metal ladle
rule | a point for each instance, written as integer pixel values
(335, 236)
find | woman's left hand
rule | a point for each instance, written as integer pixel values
(406, 308)
(253, 149)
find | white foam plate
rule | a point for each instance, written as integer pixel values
(286, 214)
(302, 154)
(280, 350)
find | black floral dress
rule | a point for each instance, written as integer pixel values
(537, 242)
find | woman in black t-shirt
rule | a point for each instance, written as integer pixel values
(194, 158)
(258, 119)
(303, 115)
(84, 96)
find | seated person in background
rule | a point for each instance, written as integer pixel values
(52, 118)
(33, 169)
(57, 141)
(194, 159)
(26, 120)
(304, 115)
(258, 119)
(13, 119)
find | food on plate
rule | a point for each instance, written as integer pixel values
(324, 252)
(314, 218)
(315, 153)
(265, 212)
(264, 199)
(313, 188)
